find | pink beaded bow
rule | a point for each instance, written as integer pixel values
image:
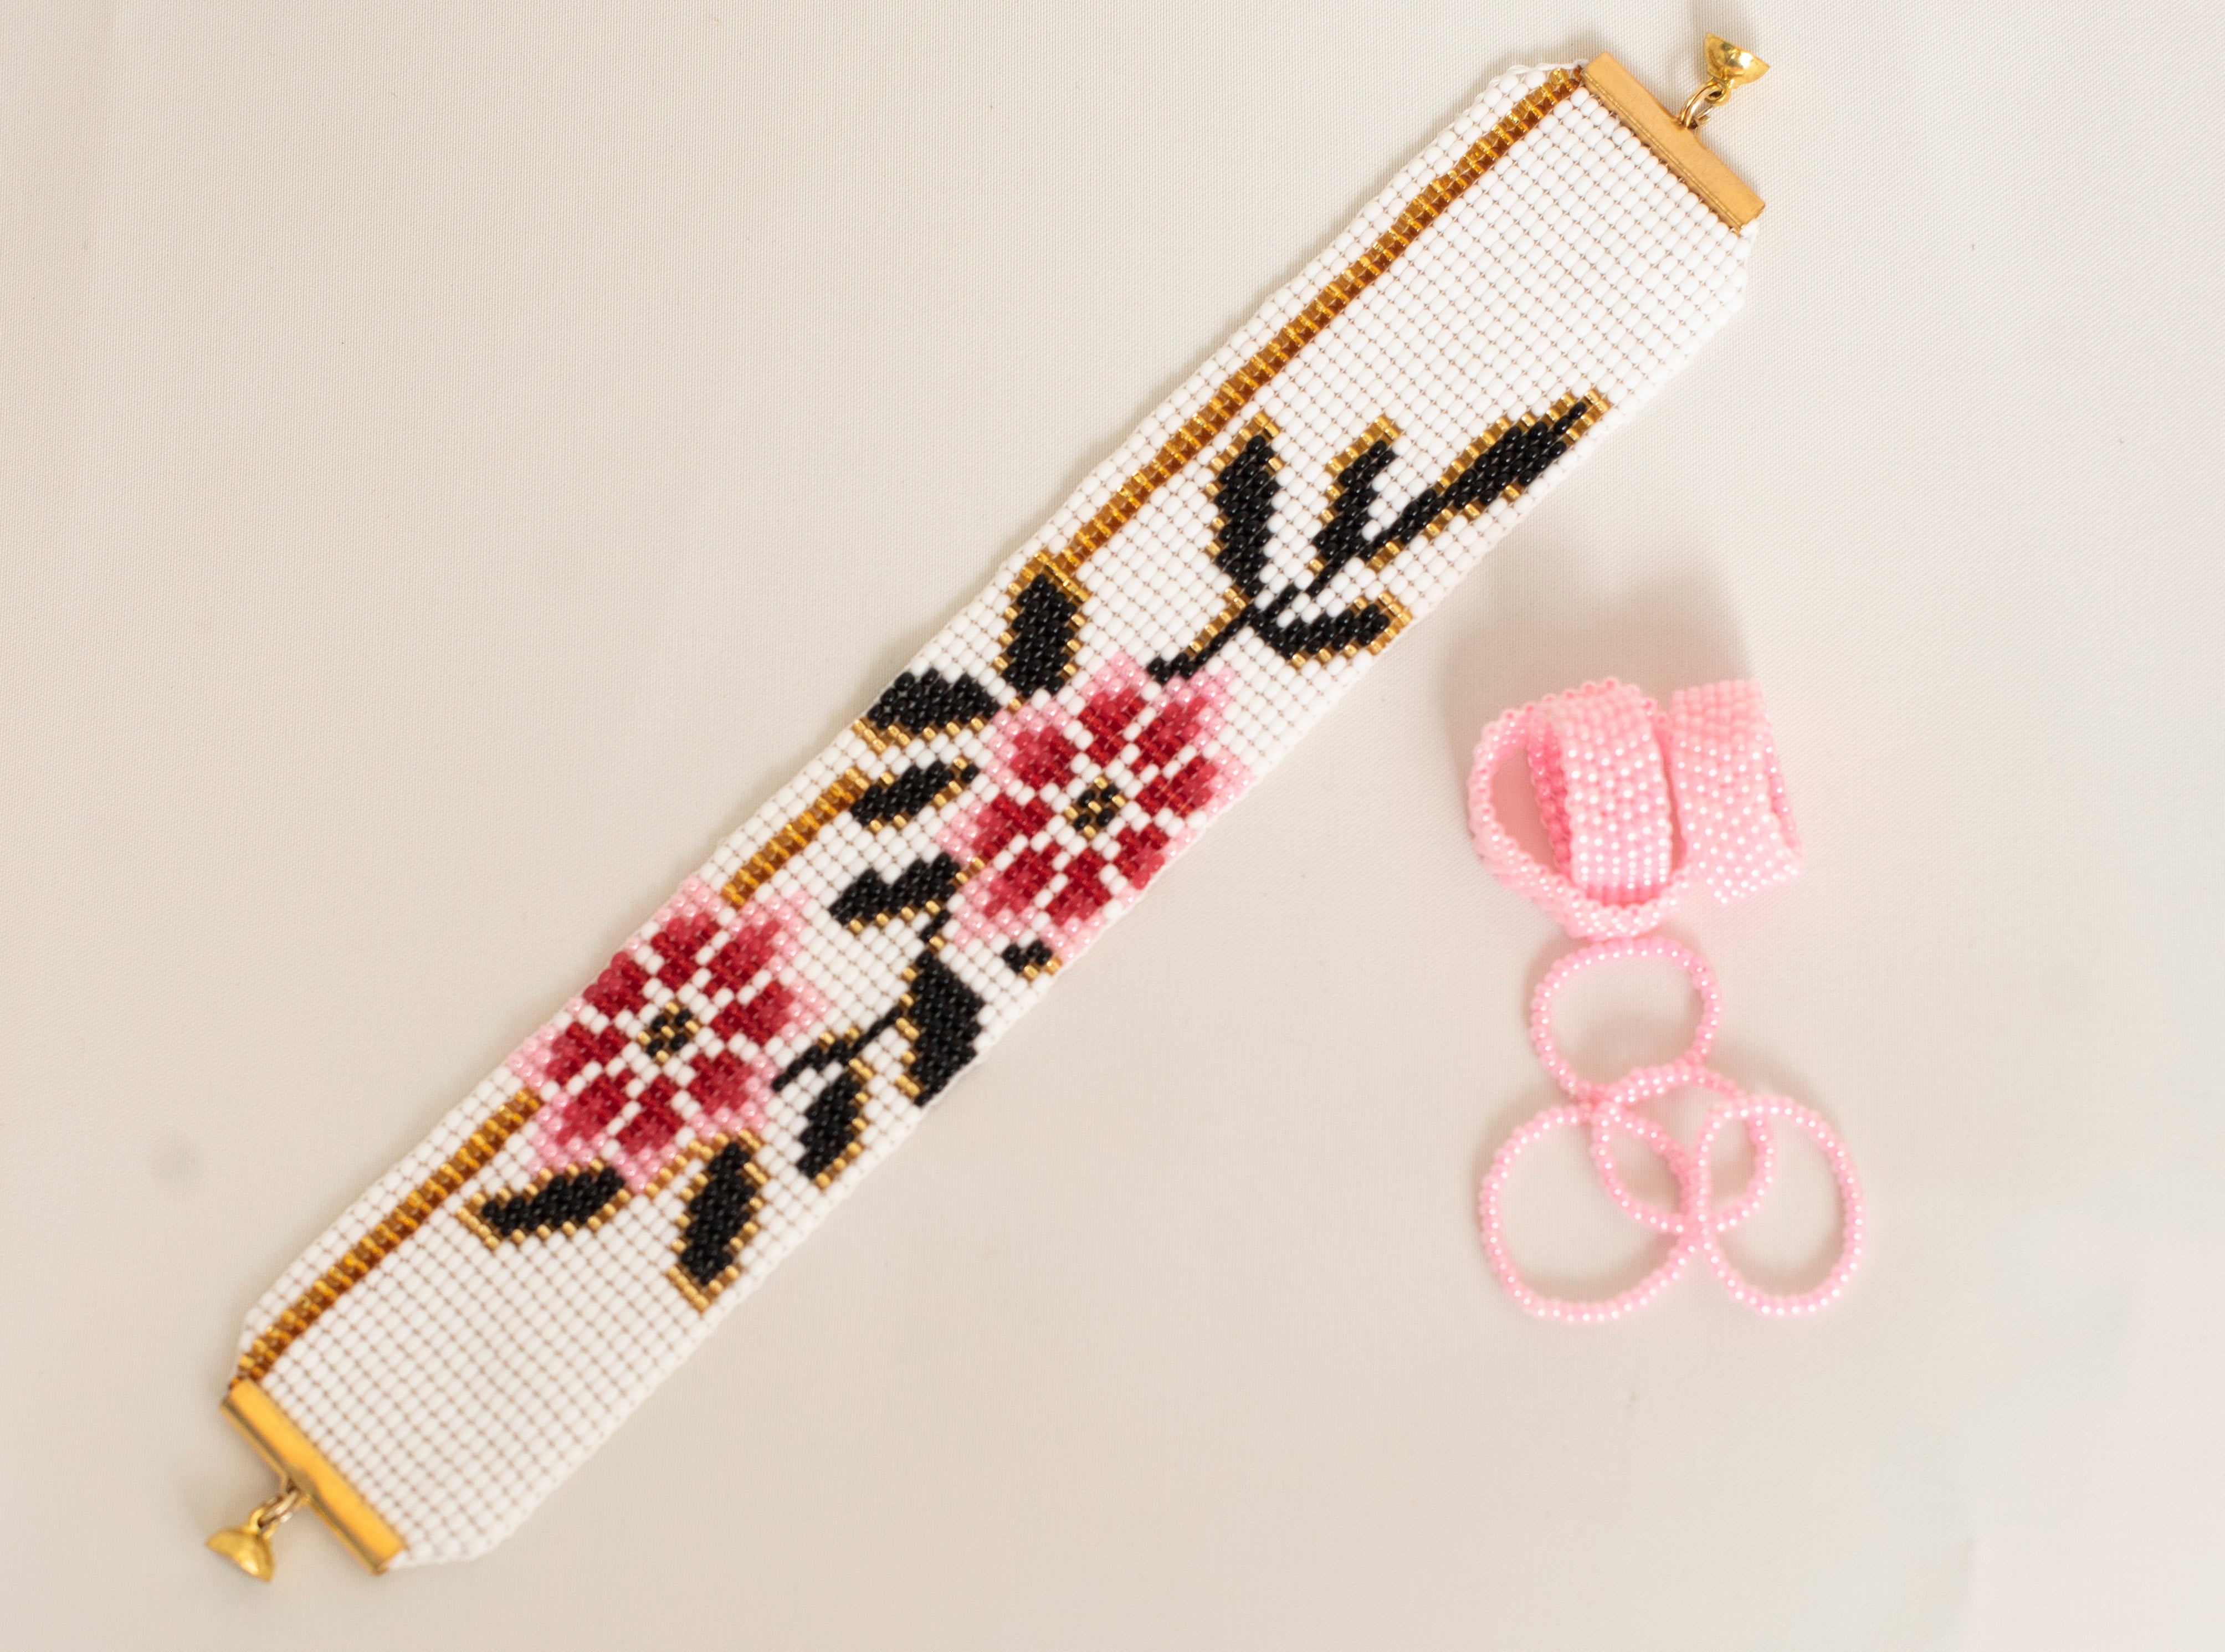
(1638, 805)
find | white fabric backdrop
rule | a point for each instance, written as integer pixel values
(453, 463)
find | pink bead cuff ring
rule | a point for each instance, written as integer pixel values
(1637, 804)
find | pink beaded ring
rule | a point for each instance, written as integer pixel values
(1571, 965)
(1731, 806)
(1642, 1084)
(1751, 1111)
(1648, 1084)
(1637, 804)
(1602, 787)
(1491, 1212)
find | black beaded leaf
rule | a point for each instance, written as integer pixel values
(894, 799)
(1344, 536)
(1244, 490)
(1517, 459)
(1044, 623)
(1519, 456)
(721, 1217)
(921, 887)
(568, 1199)
(941, 1017)
(830, 1124)
(1350, 630)
(913, 706)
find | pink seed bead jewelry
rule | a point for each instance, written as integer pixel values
(1612, 1098)
(1638, 805)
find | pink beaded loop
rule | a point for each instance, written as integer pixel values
(1574, 964)
(1753, 1109)
(1603, 788)
(1644, 1085)
(1730, 805)
(1696, 1224)
(1491, 1217)
(1641, 1083)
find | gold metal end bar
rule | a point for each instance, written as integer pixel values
(1676, 145)
(306, 1477)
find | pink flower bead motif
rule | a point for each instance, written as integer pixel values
(670, 1044)
(1089, 795)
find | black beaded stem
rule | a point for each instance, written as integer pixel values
(568, 1198)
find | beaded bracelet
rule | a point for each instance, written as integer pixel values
(483, 1317)
(1639, 806)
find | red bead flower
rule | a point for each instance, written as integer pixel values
(1095, 792)
(667, 1046)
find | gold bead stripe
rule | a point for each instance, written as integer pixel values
(1254, 376)
(405, 1218)
(795, 836)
